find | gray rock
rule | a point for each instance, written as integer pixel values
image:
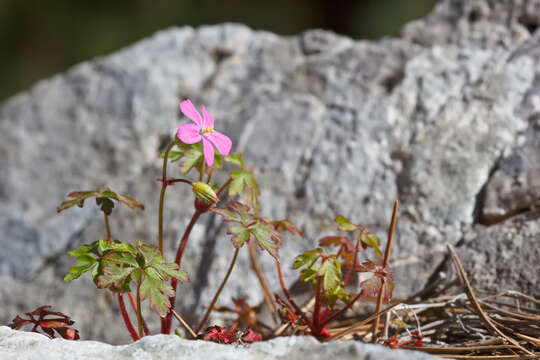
(330, 125)
(25, 346)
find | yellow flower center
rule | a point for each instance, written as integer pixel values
(208, 130)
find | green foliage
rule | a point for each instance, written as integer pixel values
(251, 227)
(115, 265)
(235, 159)
(191, 156)
(104, 197)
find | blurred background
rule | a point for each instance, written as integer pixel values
(40, 38)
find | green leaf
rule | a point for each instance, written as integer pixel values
(307, 258)
(76, 271)
(240, 235)
(173, 155)
(344, 224)
(86, 259)
(150, 253)
(235, 159)
(85, 250)
(170, 270)
(330, 270)
(309, 274)
(336, 293)
(267, 238)
(159, 292)
(115, 277)
(372, 241)
(241, 179)
(192, 158)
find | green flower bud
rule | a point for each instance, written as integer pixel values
(205, 192)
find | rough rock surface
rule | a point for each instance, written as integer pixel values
(443, 118)
(18, 345)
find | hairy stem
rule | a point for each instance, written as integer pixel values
(134, 306)
(166, 321)
(216, 296)
(289, 298)
(107, 227)
(162, 196)
(385, 264)
(125, 316)
(139, 312)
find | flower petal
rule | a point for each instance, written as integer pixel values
(208, 120)
(189, 133)
(208, 151)
(222, 142)
(191, 112)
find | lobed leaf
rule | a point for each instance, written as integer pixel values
(286, 225)
(307, 258)
(330, 270)
(235, 159)
(240, 235)
(158, 292)
(266, 238)
(344, 224)
(240, 180)
(372, 241)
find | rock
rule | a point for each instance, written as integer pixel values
(331, 126)
(25, 345)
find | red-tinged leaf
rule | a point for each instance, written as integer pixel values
(251, 336)
(344, 224)
(240, 235)
(159, 292)
(42, 324)
(228, 215)
(286, 225)
(266, 238)
(372, 285)
(337, 241)
(103, 197)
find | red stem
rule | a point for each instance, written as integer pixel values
(127, 321)
(134, 306)
(288, 296)
(166, 321)
(340, 312)
(351, 270)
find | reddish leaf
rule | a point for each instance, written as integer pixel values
(337, 241)
(60, 323)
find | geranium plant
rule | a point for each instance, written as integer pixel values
(138, 270)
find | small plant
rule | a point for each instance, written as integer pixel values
(47, 322)
(136, 269)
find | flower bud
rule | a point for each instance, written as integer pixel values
(205, 192)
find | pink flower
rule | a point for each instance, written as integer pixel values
(202, 130)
